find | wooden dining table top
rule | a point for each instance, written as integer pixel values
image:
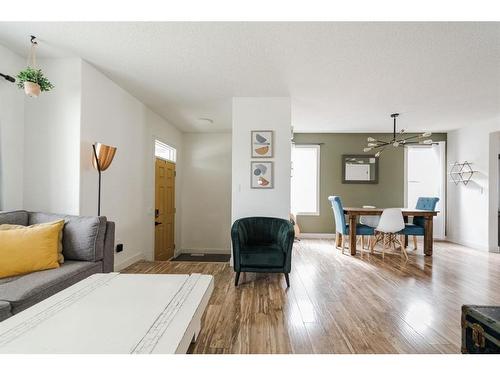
(378, 211)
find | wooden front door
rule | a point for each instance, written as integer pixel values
(164, 209)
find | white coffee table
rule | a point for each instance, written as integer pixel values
(113, 313)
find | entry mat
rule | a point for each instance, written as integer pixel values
(199, 257)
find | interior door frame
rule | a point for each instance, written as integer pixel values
(442, 154)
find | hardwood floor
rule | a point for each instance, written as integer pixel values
(343, 304)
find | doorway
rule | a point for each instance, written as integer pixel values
(164, 209)
(425, 172)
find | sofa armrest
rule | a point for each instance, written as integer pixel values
(237, 242)
(108, 261)
(285, 237)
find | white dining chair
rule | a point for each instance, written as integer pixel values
(369, 220)
(391, 222)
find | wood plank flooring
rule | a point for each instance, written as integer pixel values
(343, 304)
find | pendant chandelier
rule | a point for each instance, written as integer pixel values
(398, 139)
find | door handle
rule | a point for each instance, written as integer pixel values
(157, 223)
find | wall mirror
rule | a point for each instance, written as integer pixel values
(359, 169)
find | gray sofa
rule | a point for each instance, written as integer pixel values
(88, 248)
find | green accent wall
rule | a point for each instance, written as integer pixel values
(389, 192)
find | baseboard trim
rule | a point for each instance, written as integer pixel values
(204, 251)
(326, 236)
(472, 245)
(128, 262)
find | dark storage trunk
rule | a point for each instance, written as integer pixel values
(480, 329)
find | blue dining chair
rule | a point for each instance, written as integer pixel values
(417, 228)
(341, 227)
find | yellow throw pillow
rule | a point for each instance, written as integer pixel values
(29, 249)
(60, 256)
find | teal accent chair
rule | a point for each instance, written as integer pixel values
(262, 244)
(417, 228)
(341, 227)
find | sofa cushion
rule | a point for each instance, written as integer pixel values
(29, 249)
(4, 310)
(413, 230)
(83, 236)
(14, 217)
(266, 255)
(60, 256)
(24, 291)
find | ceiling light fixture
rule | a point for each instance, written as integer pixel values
(205, 121)
(397, 139)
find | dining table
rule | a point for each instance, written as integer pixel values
(353, 212)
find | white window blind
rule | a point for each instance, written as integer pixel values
(305, 179)
(165, 151)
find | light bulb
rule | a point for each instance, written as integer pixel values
(426, 134)
(372, 144)
(378, 154)
(427, 142)
(371, 139)
(395, 144)
(366, 149)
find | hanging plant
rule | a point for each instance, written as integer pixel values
(32, 79)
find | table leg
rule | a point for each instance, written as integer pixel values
(338, 240)
(406, 236)
(428, 222)
(352, 234)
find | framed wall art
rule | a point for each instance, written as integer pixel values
(262, 143)
(262, 175)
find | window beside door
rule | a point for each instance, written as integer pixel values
(305, 179)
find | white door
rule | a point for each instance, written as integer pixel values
(426, 177)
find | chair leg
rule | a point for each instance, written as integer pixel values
(375, 240)
(415, 242)
(386, 244)
(287, 279)
(344, 240)
(237, 279)
(362, 242)
(403, 250)
(338, 240)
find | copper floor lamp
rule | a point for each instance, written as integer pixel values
(103, 156)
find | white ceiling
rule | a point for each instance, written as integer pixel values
(340, 76)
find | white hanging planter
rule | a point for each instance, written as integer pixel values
(32, 89)
(32, 79)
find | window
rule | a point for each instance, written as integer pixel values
(305, 179)
(164, 151)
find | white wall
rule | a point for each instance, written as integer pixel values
(473, 209)
(206, 193)
(112, 116)
(11, 133)
(51, 141)
(261, 114)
